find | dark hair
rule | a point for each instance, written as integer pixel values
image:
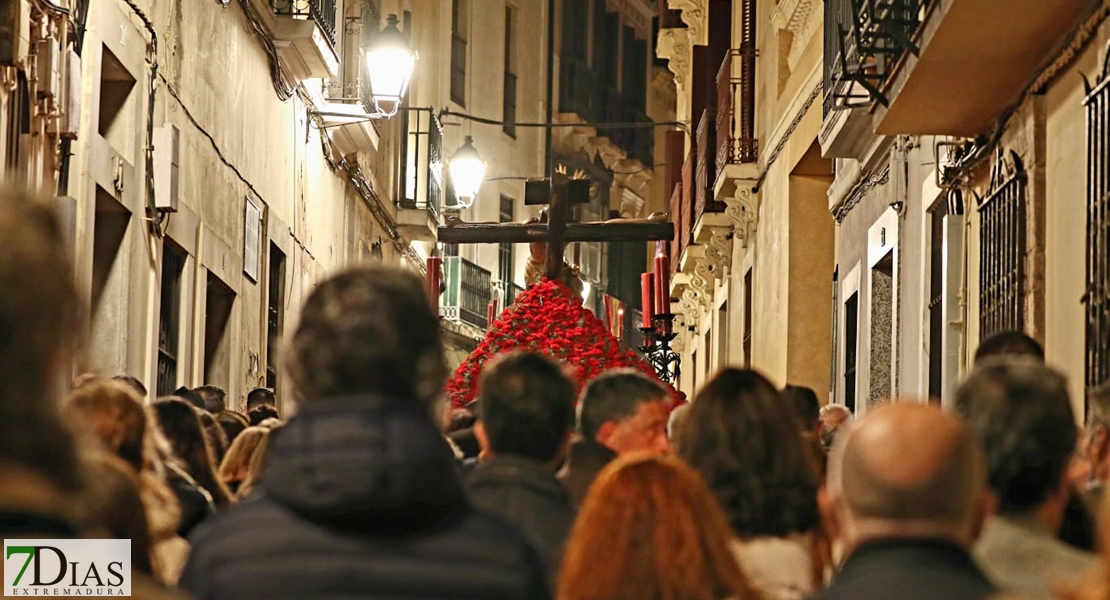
(805, 403)
(233, 423)
(112, 503)
(40, 316)
(189, 396)
(180, 423)
(215, 398)
(737, 435)
(527, 405)
(461, 419)
(1009, 343)
(369, 330)
(134, 383)
(259, 414)
(260, 396)
(217, 439)
(615, 396)
(1020, 411)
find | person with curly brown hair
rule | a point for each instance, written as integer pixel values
(743, 439)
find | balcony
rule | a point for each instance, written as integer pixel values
(736, 149)
(304, 35)
(346, 118)
(468, 292)
(506, 292)
(939, 67)
(422, 176)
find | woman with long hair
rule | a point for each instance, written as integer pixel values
(650, 529)
(113, 506)
(181, 425)
(235, 468)
(743, 439)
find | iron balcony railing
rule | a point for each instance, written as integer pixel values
(705, 168)
(678, 216)
(1096, 299)
(468, 294)
(507, 292)
(321, 11)
(864, 41)
(736, 142)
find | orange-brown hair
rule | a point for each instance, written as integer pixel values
(650, 529)
(112, 412)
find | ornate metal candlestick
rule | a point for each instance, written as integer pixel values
(656, 347)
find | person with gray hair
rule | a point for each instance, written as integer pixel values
(1020, 411)
(905, 498)
(360, 496)
(830, 419)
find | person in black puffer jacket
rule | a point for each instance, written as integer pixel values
(360, 497)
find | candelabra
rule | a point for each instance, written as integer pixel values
(656, 346)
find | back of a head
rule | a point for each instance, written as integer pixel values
(909, 465)
(832, 418)
(113, 412)
(112, 505)
(1020, 411)
(260, 396)
(233, 424)
(189, 396)
(369, 330)
(235, 463)
(738, 437)
(215, 398)
(614, 396)
(656, 498)
(1009, 343)
(214, 435)
(527, 406)
(135, 384)
(40, 315)
(261, 413)
(806, 405)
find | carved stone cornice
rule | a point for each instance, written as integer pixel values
(713, 232)
(802, 19)
(674, 46)
(695, 14)
(629, 173)
(637, 13)
(742, 209)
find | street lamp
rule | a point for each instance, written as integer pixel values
(467, 172)
(389, 63)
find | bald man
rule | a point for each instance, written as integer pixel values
(905, 498)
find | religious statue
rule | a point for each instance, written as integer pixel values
(535, 268)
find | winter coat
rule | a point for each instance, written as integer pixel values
(1019, 554)
(195, 501)
(585, 460)
(525, 493)
(169, 550)
(908, 569)
(360, 499)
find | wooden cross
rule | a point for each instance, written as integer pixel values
(558, 195)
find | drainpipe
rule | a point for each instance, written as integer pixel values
(549, 154)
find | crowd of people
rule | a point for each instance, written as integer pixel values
(375, 489)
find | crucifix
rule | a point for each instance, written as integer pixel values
(558, 194)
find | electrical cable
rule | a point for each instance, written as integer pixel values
(771, 158)
(155, 216)
(623, 125)
(54, 7)
(284, 88)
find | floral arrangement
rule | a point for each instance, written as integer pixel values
(547, 318)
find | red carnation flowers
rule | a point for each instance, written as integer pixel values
(547, 318)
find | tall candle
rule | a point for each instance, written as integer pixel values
(647, 298)
(662, 284)
(620, 324)
(432, 280)
(491, 312)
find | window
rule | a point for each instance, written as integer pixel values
(936, 302)
(1002, 249)
(459, 19)
(747, 341)
(450, 249)
(218, 302)
(851, 335)
(19, 120)
(275, 313)
(169, 318)
(1097, 298)
(505, 253)
(509, 103)
(722, 339)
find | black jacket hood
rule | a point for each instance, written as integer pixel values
(364, 462)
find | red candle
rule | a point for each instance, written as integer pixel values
(431, 280)
(662, 284)
(491, 311)
(647, 298)
(620, 324)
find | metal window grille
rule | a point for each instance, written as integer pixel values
(1002, 248)
(458, 52)
(422, 170)
(169, 319)
(505, 252)
(1097, 297)
(275, 313)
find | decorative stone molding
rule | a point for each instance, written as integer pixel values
(713, 232)
(631, 205)
(742, 209)
(629, 174)
(801, 18)
(695, 14)
(674, 46)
